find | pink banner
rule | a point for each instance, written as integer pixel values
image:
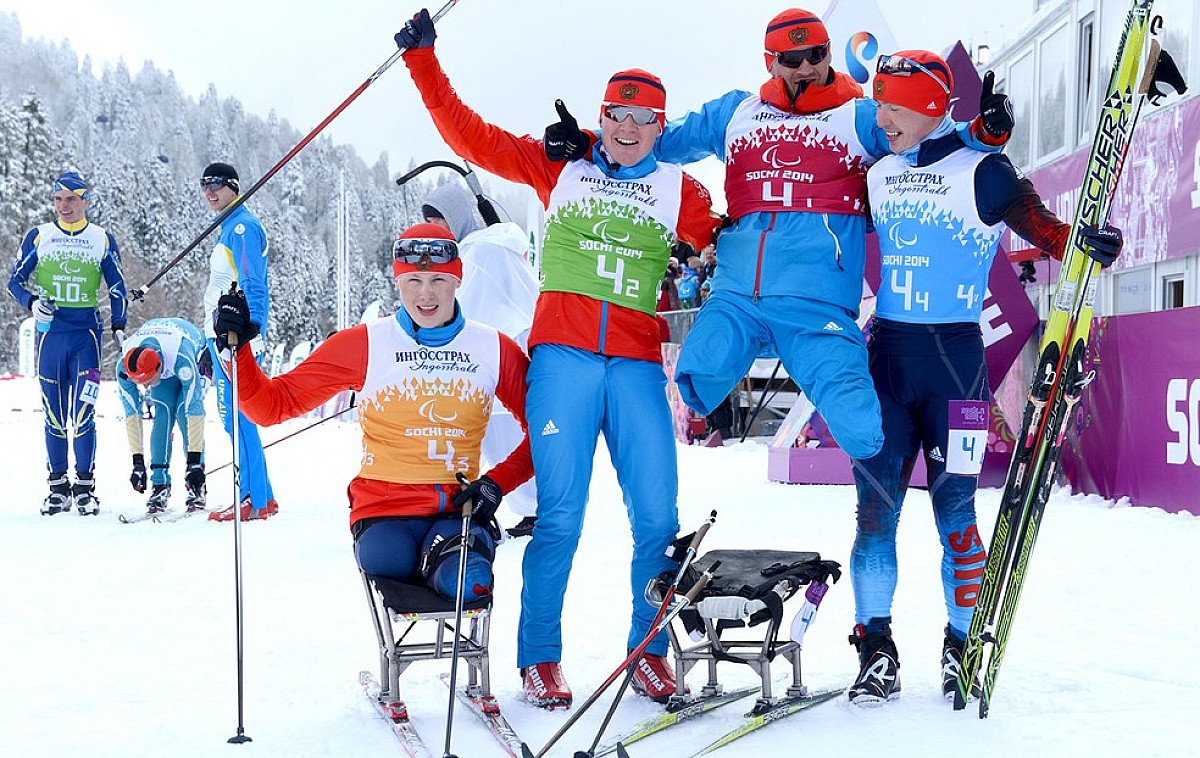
(1137, 432)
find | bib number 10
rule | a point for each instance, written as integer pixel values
(66, 292)
(621, 285)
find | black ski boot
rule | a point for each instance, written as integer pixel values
(59, 499)
(952, 656)
(157, 502)
(196, 498)
(879, 666)
(83, 491)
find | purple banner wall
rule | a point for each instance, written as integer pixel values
(1157, 204)
(1137, 432)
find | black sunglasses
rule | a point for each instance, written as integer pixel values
(793, 58)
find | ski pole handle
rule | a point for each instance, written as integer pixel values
(469, 504)
(694, 546)
(700, 584)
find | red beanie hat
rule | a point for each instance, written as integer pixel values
(793, 28)
(635, 86)
(915, 79)
(430, 232)
(142, 364)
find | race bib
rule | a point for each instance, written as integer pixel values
(91, 387)
(967, 444)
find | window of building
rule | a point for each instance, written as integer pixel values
(1172, 291)
(1131, 291)
(1019, 88)
(1052, 92)
(1086, 97)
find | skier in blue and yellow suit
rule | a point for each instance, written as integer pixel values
(57, 277)
(240, 256)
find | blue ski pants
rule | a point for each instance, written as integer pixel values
(574, 396)
(918, 371)
(65, 357)
(255, 483)
(820, 345)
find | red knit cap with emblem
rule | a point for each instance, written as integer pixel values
(918, 80)
(427, 231)
(795, 27)
(636, 86)
(142, 364)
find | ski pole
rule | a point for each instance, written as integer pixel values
(293, 434)
(140, 292)
(468, 506)
(232, 339)
(486, 209)
(656, 626)
(691, 597)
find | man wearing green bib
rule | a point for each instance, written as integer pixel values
(595, 355)
(57, 277)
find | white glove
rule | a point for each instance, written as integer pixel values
(119, 336)
(43, 312)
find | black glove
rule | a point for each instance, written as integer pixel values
(564, 141)
(204, 363)
(137, 478)
(1103, 245)
(487, 495)
(417, 32)
(995, 109)
(232, 314)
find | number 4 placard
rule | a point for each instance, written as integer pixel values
(967, 444)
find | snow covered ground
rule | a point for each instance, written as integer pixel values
(119, 640)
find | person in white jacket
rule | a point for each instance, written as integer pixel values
(500, 289)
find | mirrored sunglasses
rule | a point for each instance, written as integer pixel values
(793, 58)
(897, 65)
(213, 183)
(642, 116)
(433, 252)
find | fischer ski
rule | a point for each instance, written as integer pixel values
(1060, 375)
(758, 718)
(675, 715)
(488, 711)
(397, 715)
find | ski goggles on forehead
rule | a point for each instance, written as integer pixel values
(896, 65)
(793, 58)
(416, 251)
(642, 115)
